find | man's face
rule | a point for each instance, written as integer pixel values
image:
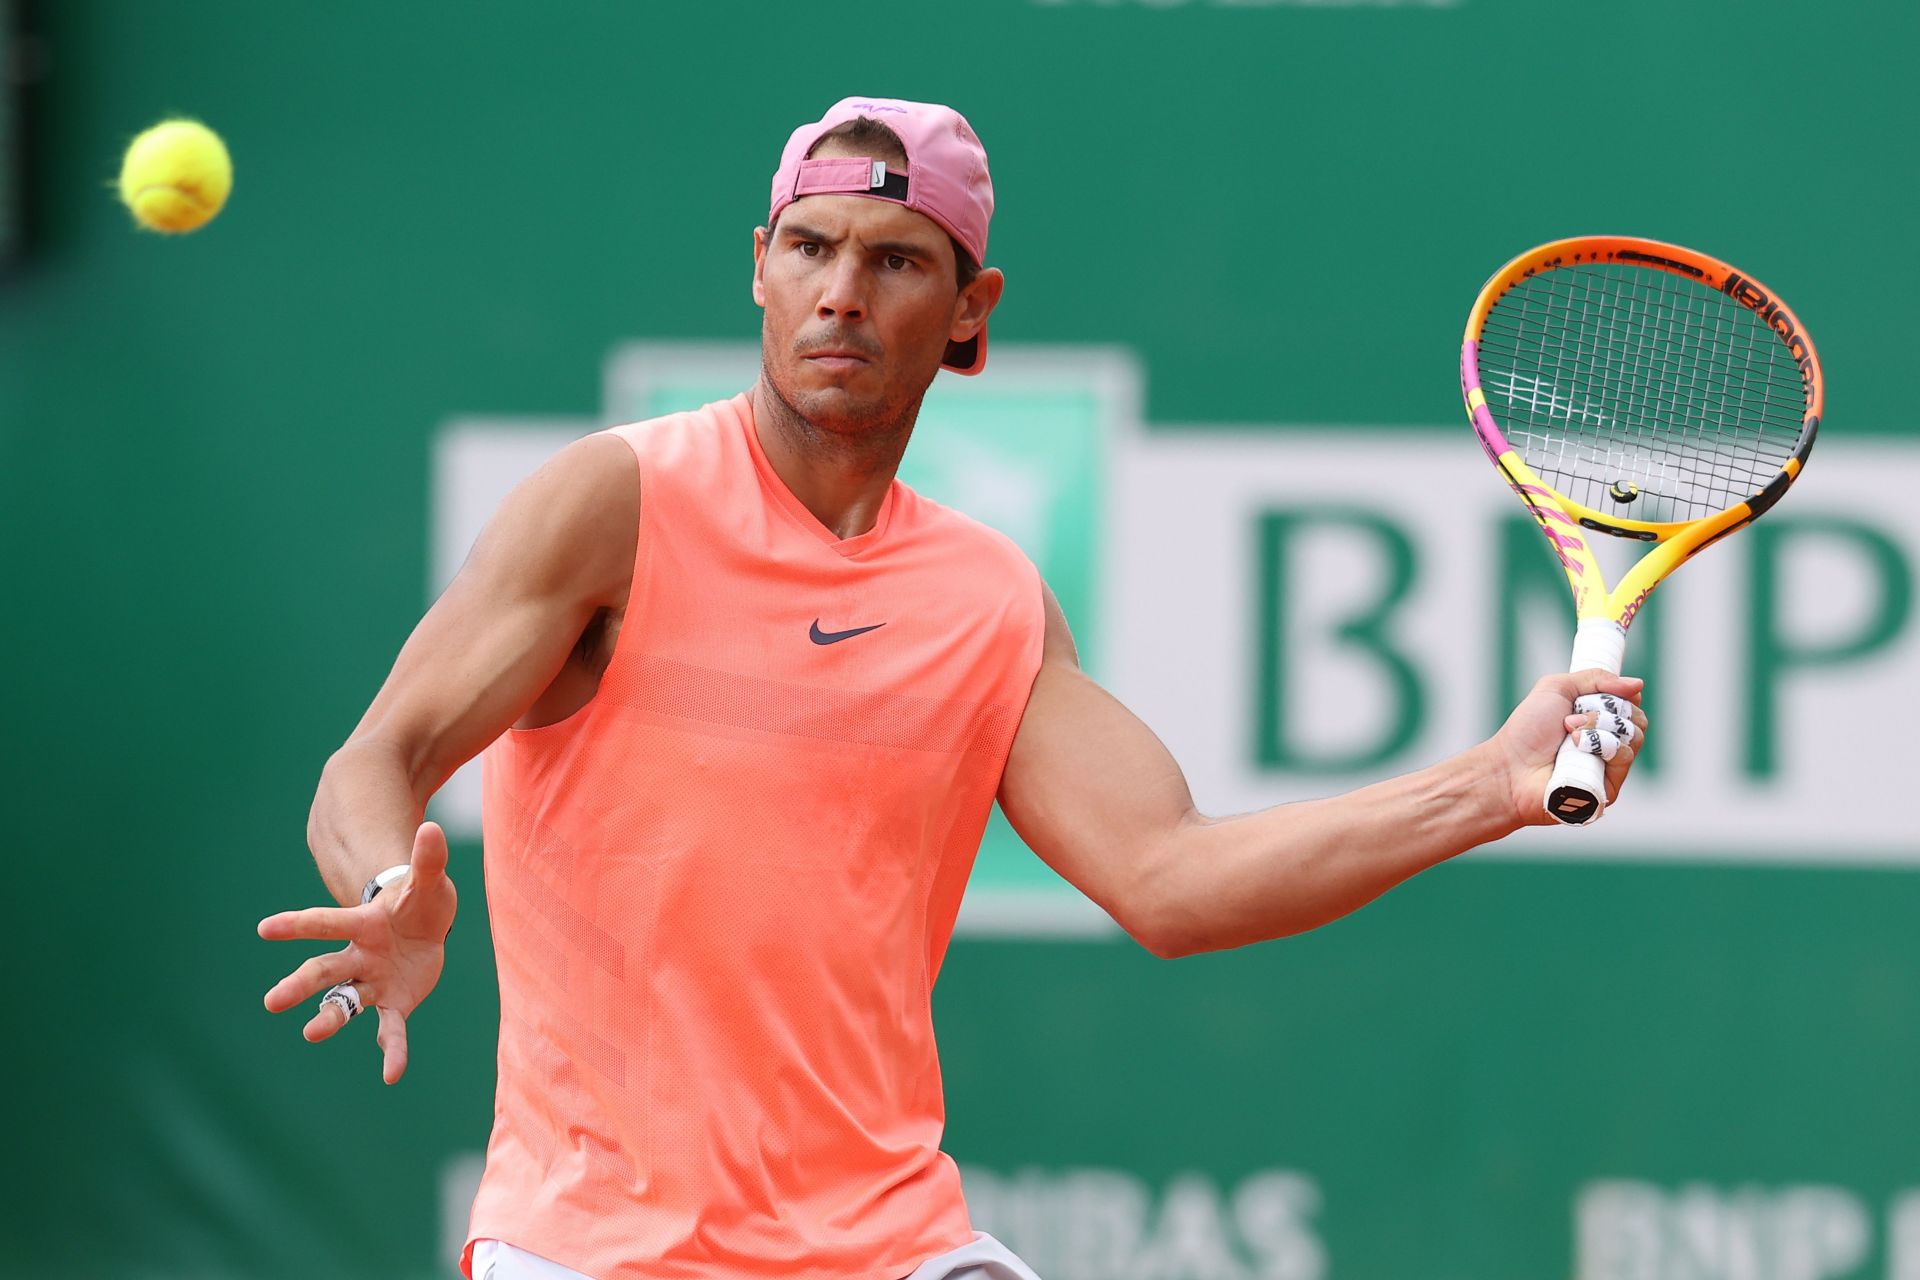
(860, 303)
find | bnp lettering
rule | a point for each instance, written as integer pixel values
(1383, 571)
(1629, 1230)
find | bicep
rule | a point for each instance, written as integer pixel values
(559, 548)
(1088, 786)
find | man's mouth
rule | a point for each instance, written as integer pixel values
(838, 359)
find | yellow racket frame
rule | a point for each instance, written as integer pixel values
(1567, 523)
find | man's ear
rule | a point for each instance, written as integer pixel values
(760, 266)
(976, 303)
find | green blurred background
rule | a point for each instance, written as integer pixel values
(216, 469)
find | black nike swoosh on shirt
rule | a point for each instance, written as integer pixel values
(815, 634)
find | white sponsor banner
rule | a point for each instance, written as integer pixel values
(1183, 583)
(1095, 1223)
(1627, 1230)
(1111, 1224)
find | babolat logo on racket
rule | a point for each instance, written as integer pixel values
(1571, 806)
(1777, 317)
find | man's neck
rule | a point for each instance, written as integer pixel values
(842, 482)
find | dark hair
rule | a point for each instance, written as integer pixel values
(872, 137)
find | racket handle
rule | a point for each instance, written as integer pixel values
(1577, 791)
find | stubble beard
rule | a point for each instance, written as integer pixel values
(866, 431)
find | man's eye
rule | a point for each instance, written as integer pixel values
(897, 263)
(809, 249)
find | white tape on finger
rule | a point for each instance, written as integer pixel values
(1611, 715)
(346, 998)
(1597, 742)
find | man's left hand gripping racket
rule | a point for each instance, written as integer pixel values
(1643, 391)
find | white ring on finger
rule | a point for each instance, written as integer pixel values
(345, 998)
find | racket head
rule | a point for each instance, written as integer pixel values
(1642, 389)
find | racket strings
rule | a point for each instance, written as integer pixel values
(1609, 376)
(1674, 379)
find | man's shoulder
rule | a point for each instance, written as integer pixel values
(567, 529)
(675, 435)
(584, 474)
(700, 451)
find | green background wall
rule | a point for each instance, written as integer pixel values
(213, 476)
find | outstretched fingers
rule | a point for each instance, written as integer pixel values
(330, 1018)
(395, 953)
(393, 1045)
(429, 857)
(313, 976)
(326, 924)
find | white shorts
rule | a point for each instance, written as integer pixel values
(982, 1258)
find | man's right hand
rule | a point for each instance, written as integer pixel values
(396, 947)
(1526, 745)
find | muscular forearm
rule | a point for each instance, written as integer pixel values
(1094, 793)
(1227, 882)
(364, 816)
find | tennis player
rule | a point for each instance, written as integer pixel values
(746, 702)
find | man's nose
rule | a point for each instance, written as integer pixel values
(845, 294)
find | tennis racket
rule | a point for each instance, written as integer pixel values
(1643, 391)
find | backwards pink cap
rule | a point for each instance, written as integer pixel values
(946, 179)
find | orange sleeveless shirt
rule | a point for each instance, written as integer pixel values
(721, 891)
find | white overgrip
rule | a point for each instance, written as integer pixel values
(1599, 642)
(1577, 791)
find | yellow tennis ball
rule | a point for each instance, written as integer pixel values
(176, 176)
